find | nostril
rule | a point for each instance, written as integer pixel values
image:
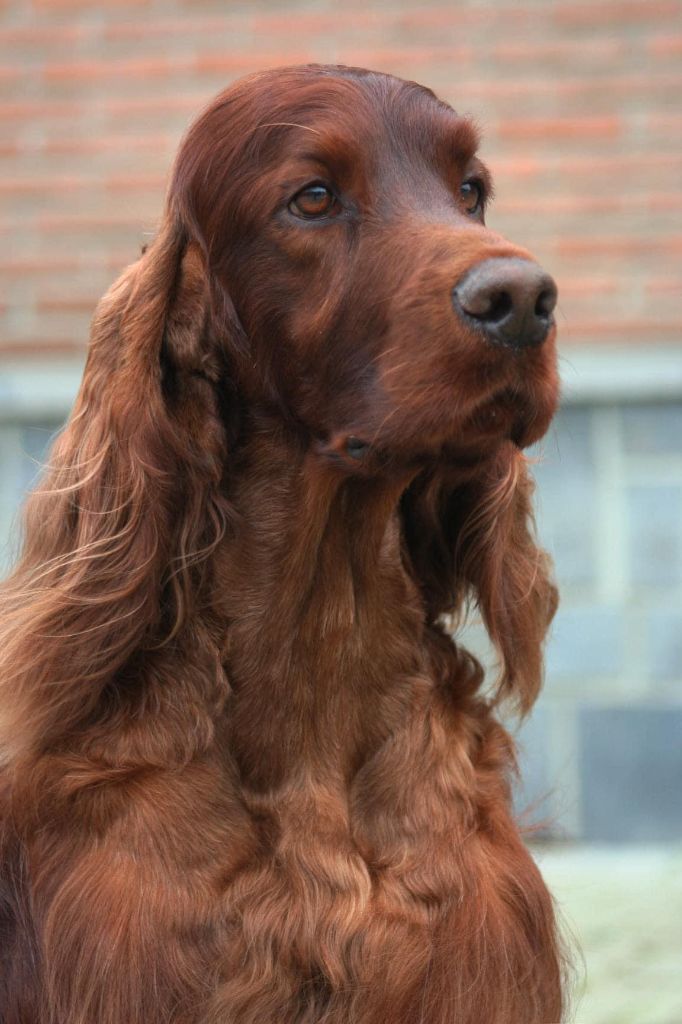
(546, 301)
(489, 304)
(501, 305)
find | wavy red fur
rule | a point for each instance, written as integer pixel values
(247, 775)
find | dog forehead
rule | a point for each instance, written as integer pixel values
(371, 109)
(361, 107)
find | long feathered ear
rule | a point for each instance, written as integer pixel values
(472, 540)
(116, 535)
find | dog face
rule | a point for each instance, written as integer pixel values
(342, 212)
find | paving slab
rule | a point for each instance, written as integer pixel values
(623, 906)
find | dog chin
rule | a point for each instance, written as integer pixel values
(513, 416)
(505, 418)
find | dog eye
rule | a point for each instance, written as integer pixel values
(472, 196)
(313, 201)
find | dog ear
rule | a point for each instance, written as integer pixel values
(473, 541)
(116, 537)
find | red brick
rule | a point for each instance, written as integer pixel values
(56, 222)
(33, 110)
(407, 56)
(231, 63)
(59, 264)
(610, 127)
(664, 285)
(39, 35)
(88, 70)
(580, 166)
(518, 166)
(196, 25)
(306, 23)
(551, 50)
(67, 303)
(591, 285)
(619, 246)
(561, 89)
(612, 14)
(585, 203)
(110, 143)
(69, 183)
(663, 202)
(66, 223)
(55, 183)
(60, 6)
(665, 46)
(181, 102)
(136, 182)
(536, 203)
(9, 74)
(459, 17)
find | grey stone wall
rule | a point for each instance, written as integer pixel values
(601, 755)
(603, 749)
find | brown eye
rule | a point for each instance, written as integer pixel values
(472, 196)
(313, 201)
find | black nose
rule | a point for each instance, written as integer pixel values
(509, 298)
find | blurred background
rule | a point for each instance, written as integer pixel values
(580, 104)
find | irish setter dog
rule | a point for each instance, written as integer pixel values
(248, 777)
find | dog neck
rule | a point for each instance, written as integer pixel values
(324, 625)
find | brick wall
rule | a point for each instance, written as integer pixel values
(579, 102)
(603, 749)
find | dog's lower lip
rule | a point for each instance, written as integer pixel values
(504, 415)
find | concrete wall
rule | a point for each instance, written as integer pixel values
(604, 745)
